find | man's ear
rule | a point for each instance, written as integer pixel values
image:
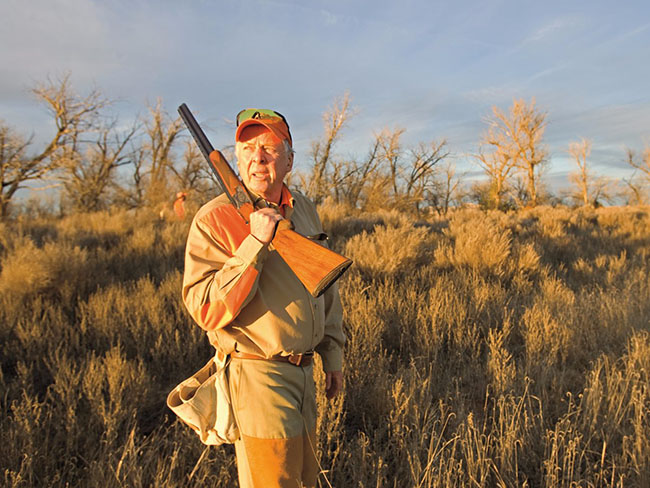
(290, 158)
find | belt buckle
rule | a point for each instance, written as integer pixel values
(295, 359)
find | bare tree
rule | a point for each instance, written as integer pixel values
(498, 165)
(88, 169)
(637, 185)
(193, 174)
(580, 152)
(642, 163)
(341, 174)
(131, 193)
(450, 183)
(394, 176)
(161, 132)
(515, 139)
(421, 181)
(364, 174)
(72, 115)
(529, 126)
(14, 172)
(590, 189)
(320, 184)
(633, 192)
(389, 175)
(390, 153)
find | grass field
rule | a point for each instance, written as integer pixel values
(484, 349)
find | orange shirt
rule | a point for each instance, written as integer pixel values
(179, 207)
(244, 294)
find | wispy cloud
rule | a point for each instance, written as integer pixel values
(328, 17)
(434, 68)
(554, 28)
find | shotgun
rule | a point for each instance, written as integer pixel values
(316, 266)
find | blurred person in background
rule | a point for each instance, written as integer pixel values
(179, 205)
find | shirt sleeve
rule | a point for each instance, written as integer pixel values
(217, 283)
(331, 347)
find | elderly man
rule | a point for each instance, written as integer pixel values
(239, 289)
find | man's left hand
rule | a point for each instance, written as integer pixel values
(333, 383)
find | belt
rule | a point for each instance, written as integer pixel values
(302, 359)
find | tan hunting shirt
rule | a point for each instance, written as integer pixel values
(244, 294)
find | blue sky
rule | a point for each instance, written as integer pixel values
(433, 68)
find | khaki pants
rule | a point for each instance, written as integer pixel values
(275, 407)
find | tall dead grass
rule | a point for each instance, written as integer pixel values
(484, 349)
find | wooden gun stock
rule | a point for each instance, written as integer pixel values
(316, 266)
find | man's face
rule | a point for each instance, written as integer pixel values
(263, 162)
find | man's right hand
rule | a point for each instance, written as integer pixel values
(263, 223)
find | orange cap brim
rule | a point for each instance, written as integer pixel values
(275, 124)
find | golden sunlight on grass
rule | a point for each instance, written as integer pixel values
(484, 349)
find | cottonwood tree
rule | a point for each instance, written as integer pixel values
(72, 116)
(361, 175)
(528, 126)
(640, 163)
(636, 184)
(320, 182)
(579, 151)
(590, 189)
(633, 192)
(388, 176)
(495, 158)
(88, 168)
(401, 177)
(350, 177)
(193, 175)
(130, 193)
(420, 177)
(15, 171)
(449, 188)
(390, 155)
(152, 162)
(515, 142)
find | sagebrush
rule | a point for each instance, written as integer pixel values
(484, 349)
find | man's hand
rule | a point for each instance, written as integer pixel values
(263, 222)
(333, 383)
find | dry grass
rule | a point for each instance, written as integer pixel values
(485, 349)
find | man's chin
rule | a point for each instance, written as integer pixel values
(259, 188)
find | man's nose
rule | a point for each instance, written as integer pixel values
(259, 155)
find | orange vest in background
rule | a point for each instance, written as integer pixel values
(179, 205)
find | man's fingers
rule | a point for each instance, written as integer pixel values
(333, 383)
(263, 223)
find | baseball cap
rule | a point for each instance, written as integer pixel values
(272, 120)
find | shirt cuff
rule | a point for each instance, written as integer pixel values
(332, 360)
(252, 251)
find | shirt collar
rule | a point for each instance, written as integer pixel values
(285, 198)
(285, 207)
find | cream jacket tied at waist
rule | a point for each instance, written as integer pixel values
(244, 294)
